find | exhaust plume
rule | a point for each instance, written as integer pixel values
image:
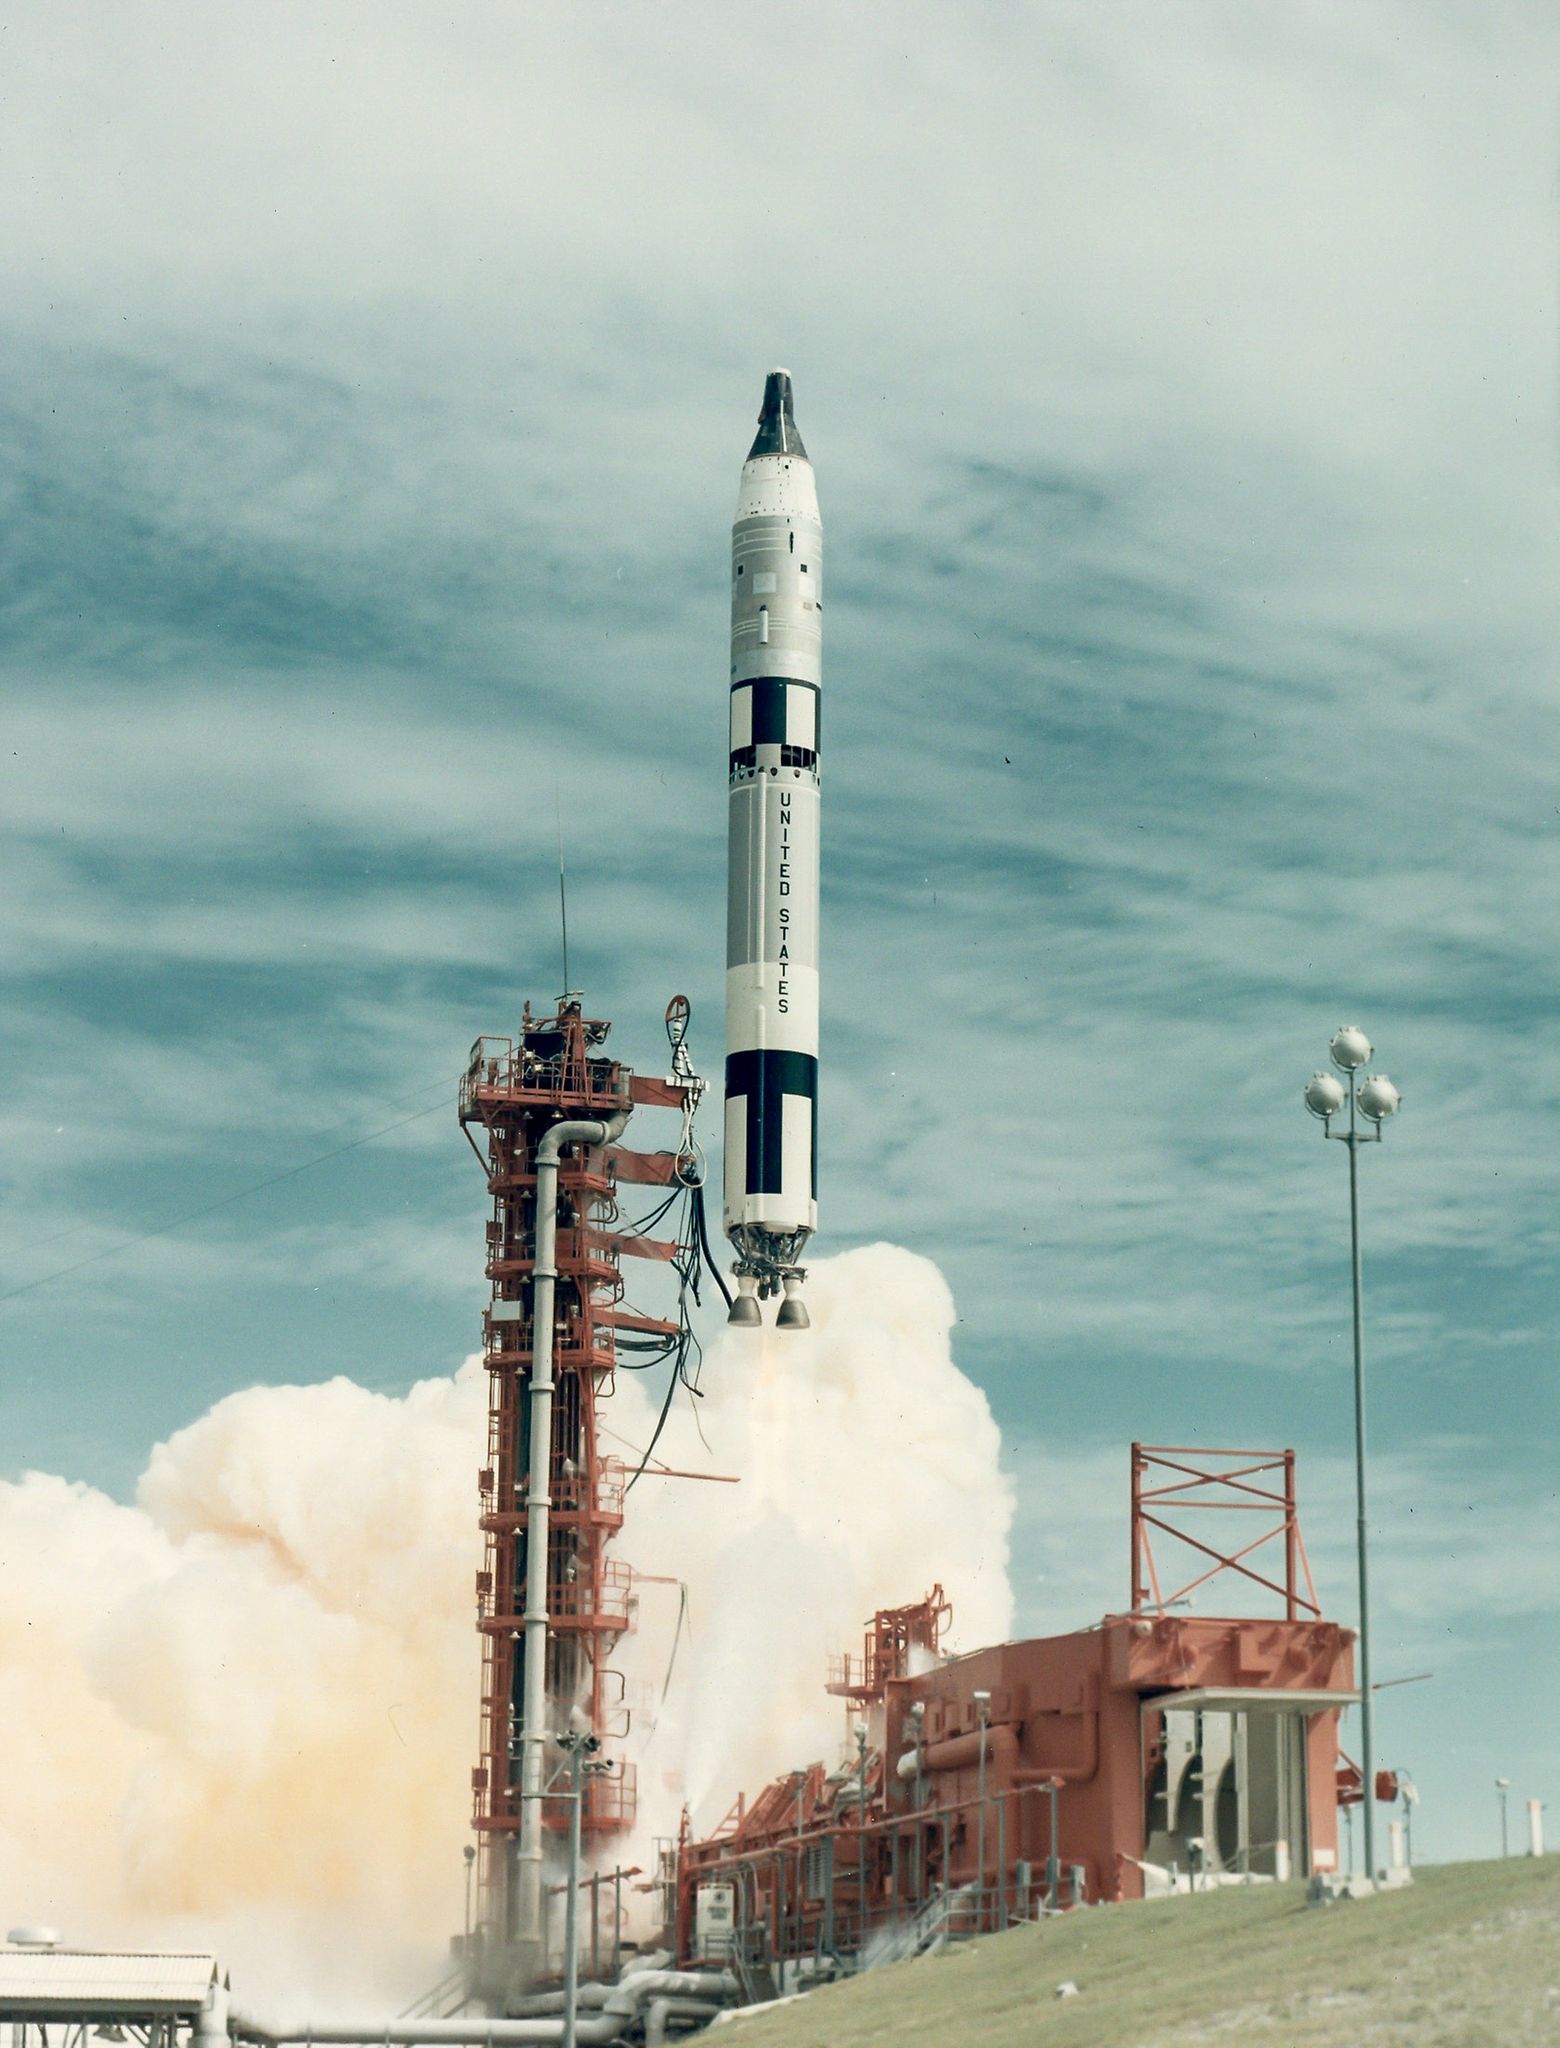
(241, 1714)
(869, 1468)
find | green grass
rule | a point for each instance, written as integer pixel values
(1467, 1957)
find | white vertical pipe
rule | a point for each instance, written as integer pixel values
(211, 2027)
(530, 1928)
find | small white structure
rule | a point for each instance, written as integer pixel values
(162, 1999)
(714, 1921)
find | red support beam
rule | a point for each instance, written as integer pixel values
(514, 1090)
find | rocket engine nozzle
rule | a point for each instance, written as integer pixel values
(745, 1312)
(793, 1310)
(755, 1283)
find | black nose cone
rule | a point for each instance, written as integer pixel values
(777, 433)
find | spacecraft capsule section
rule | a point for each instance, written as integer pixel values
(771, 1150)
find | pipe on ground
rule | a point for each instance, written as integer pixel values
(663, 2010)
(621, 2008)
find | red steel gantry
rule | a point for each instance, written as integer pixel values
(1033, 1775)
(513, 1093)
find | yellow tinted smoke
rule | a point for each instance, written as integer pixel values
(243, 1713)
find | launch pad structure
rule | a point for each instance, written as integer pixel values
(1157, 1750)
(556, 1075)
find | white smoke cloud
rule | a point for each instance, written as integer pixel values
(869, 1469)
(243, 1712)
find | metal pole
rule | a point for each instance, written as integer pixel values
(529, 1918)
(1002, 1862)
(861, 1837)
(1053, 1862)
(980, 1827)
(571, 1905)
(1505, 1842)
(1367, 1702)
(860, 1852)
(471, 1857)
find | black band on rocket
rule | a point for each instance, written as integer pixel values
(762, 1078)
(781, 711)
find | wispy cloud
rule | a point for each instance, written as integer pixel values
(1182, 397)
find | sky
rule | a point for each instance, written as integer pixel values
(1181, 388)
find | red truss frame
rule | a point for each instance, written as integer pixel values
(892, 1634)
(1250, 1482)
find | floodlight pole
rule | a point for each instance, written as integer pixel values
(571, 1904)
(580, 1746)
(1053, 1862)
(1354, 1137)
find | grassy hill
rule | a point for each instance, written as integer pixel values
(1468, 1957)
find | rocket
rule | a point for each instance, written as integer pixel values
(771, 1138)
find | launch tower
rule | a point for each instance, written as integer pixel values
(512, 1095)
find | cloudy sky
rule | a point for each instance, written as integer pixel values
(1181, 387)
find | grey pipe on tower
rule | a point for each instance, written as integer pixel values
(530, 1923)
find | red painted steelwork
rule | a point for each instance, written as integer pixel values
(947, 1805)
(512, 1094)
(1256, 1482)
(896, 1636)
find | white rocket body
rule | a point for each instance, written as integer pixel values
(771, 1150)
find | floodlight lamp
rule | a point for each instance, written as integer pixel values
(1378, 1098)
(1502, 1784)
(1350, 1048)
(1324, 1095)
(859, 1730)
